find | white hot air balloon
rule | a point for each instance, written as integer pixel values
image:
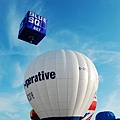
(61, 84)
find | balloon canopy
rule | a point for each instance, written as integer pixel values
(105, 115)
(32, 28)
(61, 84)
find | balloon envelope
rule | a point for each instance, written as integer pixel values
(105, 115)
(32, 28)
(61, 84)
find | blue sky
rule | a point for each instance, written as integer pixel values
(91, 27)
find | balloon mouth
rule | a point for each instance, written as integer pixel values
(64, 118)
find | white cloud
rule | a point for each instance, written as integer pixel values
(68, 39)
(118, 76)
(14, 105)
(10, 115)
(101, 79)
(2, 118)
(37, 5)
(19, 76)
(111, 103)
(6, 104)
(10, 102)
(104, 56)
(13, 25)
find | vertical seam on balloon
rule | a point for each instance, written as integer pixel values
(30, 86)
(90, 81)
(87, 79)
(87, 59)
(96, 76)
(38, 89)
(57, 87)
(36, 83)
(93, 67)
(58, 94)
(78, 82)
(67, 79)
(47, 91)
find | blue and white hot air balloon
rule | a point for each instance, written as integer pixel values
(32, 28)
(61, 84)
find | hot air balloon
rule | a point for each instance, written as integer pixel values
(32, 28)
(91, 109)
(105, 115)
(61, 84)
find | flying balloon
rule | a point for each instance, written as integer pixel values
(105, 115)
(32, 28)
(61, 85)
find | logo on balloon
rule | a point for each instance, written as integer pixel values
(82, 68)
(40, 77)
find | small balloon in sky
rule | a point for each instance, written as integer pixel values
(105, 115)
(32, 28)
